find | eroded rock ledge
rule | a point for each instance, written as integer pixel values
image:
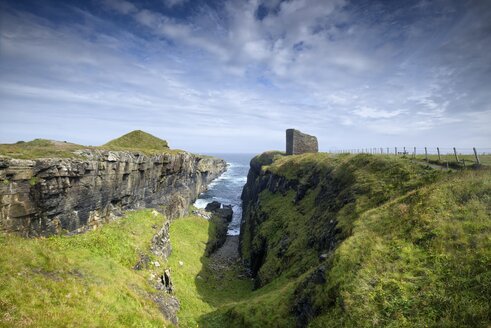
(50, 196)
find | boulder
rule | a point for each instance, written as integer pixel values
(226, 212)
(213, 206)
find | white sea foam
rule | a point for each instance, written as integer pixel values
(227, 189)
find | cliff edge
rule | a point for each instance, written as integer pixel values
(90, 186)
(364, 240)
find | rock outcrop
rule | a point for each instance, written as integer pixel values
(300, 143)
(49, 196)
(220, 217)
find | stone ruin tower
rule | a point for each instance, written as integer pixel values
(299, 143)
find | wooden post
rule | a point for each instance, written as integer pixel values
(381, 150)
(404, 152)
(478, 162)
(395, 150)
(414, 153)
(456, 156)
(426, 154)
(438, 151)
(387, 150)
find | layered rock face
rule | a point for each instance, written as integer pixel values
(253, 246)
(48, 196)
(300, 143)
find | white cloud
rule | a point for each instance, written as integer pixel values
(173, 3)
(368, 112)
(347, 73)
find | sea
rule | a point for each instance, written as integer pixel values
(227, 188)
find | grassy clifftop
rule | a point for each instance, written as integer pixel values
(366, 241)
(138, 141)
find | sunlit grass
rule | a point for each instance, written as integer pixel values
(84, 280)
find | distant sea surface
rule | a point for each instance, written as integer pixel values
(228, 187)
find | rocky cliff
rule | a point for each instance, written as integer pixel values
(363, 240)
(41, 197)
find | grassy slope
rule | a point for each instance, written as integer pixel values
(137, 141)
(420, 260)
(417, 252)
(200, 289)
(39, 148)
(80, 281)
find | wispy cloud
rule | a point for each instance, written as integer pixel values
(232, 77)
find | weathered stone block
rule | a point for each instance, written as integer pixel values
(299, 143)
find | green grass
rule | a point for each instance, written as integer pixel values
(407, 245)
(138, 140)
(200, 290)
(39, 148)
(469, 160)
(135, 141)
(223, 297)
(84, 280)
(413, 245)
(421, 260)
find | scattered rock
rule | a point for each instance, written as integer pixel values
(213, 206)
(142, 262)
(181, 263)
(202, 213)
(157, 264)
(226, 212)
(166, 281)
(168, 306)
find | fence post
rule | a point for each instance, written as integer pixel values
(438, 151)
(477, 157)
(426, 154)
(456, 156)
(381, 150)
(395, 150)
(404, 152)
(388, 151)
(414, 153)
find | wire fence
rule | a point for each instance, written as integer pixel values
(445, 156)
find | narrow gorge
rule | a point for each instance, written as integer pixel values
(325, 239)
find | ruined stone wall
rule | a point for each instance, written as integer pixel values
(50, 196)
(299, 143)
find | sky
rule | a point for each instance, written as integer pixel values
(232, 76)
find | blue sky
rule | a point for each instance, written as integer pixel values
(231, 76)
